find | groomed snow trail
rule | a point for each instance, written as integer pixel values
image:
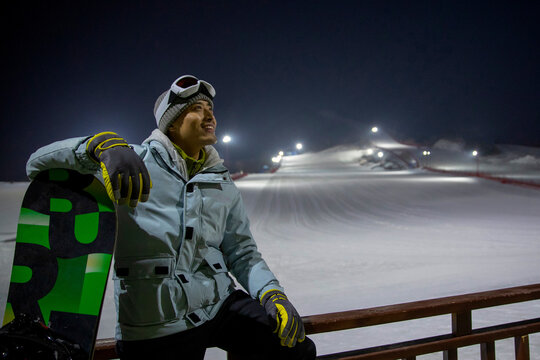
(339, 237)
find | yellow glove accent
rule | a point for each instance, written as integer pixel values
(105, 140)
(283, 319)
(108, 185)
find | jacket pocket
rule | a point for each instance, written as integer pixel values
(147, 291)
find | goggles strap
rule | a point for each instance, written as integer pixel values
(174, 99)
(162, 108)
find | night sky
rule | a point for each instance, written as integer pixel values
(319, 72)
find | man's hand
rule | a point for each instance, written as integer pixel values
(290, 327)
(124, 172)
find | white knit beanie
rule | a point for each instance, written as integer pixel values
(175, 111)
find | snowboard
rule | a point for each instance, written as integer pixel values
(65, 240)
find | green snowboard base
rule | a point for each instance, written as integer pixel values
(65, 241)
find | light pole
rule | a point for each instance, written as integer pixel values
(226, 140)
(475, 154)
(426, 154)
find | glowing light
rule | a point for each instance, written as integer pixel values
(299, 146)
(370, 151)
(380, 154)
(426, 153)
(280, 153)
(475, 153)
(276, 159)
(226, 139)
(374, 129)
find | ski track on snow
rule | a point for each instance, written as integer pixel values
(350, 240)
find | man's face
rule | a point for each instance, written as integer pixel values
(196, 129)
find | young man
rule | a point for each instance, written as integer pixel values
(177, 246)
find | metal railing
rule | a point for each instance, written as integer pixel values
(458, 307)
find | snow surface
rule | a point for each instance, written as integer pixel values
(342, 233)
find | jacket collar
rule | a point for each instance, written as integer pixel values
(173, 159)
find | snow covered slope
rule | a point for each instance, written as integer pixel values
(342, 233)
(340, 237)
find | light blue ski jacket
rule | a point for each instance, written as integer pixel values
(175, 252)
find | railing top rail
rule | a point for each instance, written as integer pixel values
(418, 309)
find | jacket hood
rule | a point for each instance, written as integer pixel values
(212, 156)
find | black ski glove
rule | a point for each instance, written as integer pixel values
(124, 172)
(290, 327)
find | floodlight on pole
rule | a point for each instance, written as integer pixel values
(226, 140)
(475, 154)
(426, 153)
(374, 129)
(299, 146)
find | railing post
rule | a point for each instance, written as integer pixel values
(461, 325)
(487, 351)
(232, 356)
(522, 347)
(450, 354)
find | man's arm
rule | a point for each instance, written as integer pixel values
(246, 264)
(124, 174)
(65, 154)
(243, 258)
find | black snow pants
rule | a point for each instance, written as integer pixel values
(241, 327)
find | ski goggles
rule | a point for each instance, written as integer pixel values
(182, 90)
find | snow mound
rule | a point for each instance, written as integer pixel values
(351, 158)
(451, 145)
(526, 160)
